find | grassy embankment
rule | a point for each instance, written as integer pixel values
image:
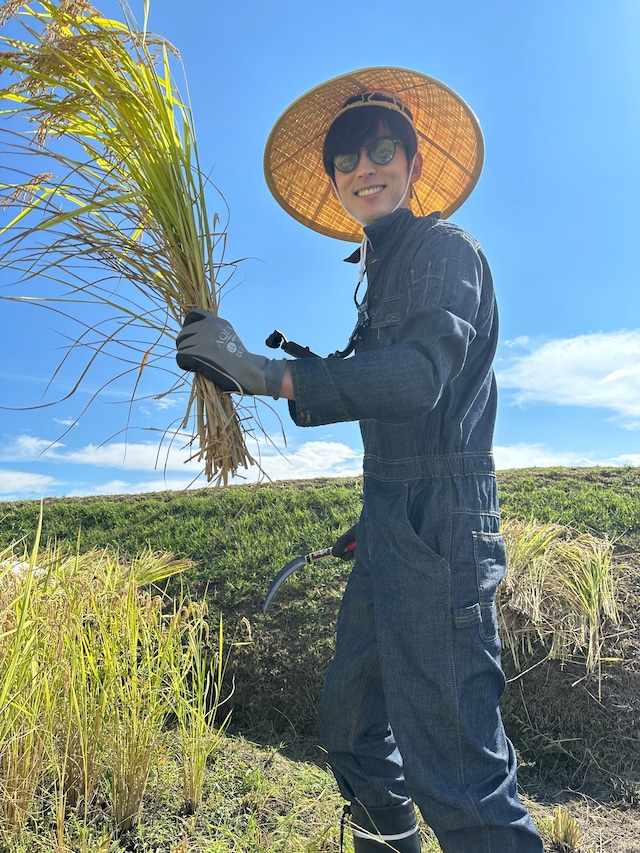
(263, 787)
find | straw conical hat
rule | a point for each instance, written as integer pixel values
(449, 139)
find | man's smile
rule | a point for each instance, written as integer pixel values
(369, 191)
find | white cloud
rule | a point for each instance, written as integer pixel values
(162, 403)
(27, 448)
(132, 487)
(164, 468)
(18, 485)
(308, 460)
(126, 456)
(597, 370)
(539, 456)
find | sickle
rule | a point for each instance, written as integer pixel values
(295, 564)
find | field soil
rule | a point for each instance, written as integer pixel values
(603, 828)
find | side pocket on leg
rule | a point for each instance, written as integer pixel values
(490, 557)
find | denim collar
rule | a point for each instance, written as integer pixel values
(386, 231)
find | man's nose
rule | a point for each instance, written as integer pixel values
(365, 164)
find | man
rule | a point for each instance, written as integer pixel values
(409, 712)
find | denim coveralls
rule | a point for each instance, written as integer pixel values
(410, 704)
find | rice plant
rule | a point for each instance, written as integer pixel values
(109, 201)
(23, 690)
(199, 731)
(94, 668)
(560, 592)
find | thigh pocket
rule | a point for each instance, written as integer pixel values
(490, 559)
(426, 519)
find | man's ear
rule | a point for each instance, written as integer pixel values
(416, 171)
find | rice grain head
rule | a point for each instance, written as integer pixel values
(125, 195)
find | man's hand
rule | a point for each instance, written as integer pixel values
(210, 345)
(339, 548)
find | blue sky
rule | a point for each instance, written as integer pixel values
(556, 86)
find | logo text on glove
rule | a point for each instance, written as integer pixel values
(230, 341)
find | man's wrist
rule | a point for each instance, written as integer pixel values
(274, 373)
(286, 389)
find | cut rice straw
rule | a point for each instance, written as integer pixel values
(122, 196)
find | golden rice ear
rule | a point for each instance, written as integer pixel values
(105, 109)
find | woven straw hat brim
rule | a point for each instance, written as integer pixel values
(449, 139)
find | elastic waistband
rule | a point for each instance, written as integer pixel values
(423, 467)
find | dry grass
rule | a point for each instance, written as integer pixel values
(565, 832)
(560, 591)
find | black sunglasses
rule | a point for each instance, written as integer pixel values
(381, 151)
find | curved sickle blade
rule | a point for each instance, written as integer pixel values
(295, 564)
(280, 578)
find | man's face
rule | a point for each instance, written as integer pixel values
(372, 191)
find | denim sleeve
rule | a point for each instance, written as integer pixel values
(419, 337)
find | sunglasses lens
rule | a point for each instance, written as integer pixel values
(382, 151)
(346, 162)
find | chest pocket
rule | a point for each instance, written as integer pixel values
(426, 285)
(385, 319)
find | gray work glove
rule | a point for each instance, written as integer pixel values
(209, 345)
(339, 548)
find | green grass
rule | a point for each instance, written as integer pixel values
(213, 525)
(239, 536)
(601, 500)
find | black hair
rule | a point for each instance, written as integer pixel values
(359, 126)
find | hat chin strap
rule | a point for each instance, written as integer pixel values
(365, 240)
(363, 314)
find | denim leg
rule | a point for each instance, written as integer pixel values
(353, 722)
(491, 839)
(420, 665)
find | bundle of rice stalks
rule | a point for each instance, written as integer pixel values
(560, 592)
(114, 206)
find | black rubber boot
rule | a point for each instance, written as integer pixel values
(381, 830)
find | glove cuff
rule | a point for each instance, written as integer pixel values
(274, 370)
